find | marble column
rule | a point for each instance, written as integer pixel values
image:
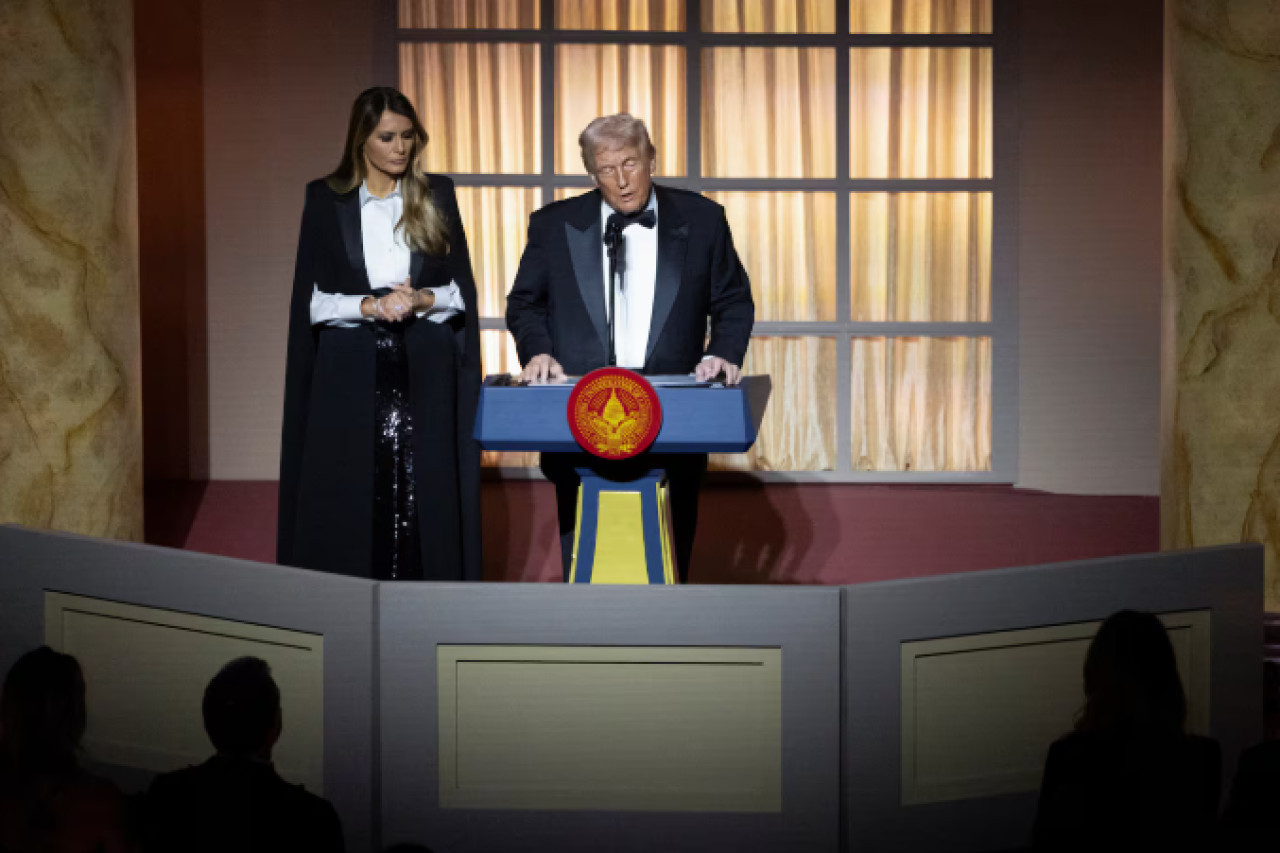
(70, 434)
(1221, 477)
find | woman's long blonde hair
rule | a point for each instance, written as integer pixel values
(424, 225)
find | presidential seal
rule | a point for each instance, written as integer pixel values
(614, 413)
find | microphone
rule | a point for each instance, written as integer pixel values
(612, 241)
(613, 234)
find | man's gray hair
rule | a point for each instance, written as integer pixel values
(615, 131)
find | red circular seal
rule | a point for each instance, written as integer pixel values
(614, 413)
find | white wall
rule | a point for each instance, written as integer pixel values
(279, 79)
(1089, 246)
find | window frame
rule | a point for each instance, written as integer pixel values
(1002, 329)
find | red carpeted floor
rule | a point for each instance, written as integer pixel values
(774, 533)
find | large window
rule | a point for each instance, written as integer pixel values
(857, 148)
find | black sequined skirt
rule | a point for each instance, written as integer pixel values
(397, 551)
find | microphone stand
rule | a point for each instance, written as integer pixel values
(614, 242)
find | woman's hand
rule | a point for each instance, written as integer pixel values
(421, 301)
(398, 305)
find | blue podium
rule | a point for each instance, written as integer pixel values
(624, 529)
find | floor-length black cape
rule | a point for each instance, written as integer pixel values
(327, 447)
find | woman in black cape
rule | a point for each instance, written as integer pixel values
(379, 473)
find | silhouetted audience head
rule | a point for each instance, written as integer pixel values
(1131, 677)
(47, 801)
(42, 713)
(236, 800)
(242, 709)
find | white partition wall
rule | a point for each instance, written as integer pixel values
(902, 716)
(956, 685)
(628, 718)
(151, 625)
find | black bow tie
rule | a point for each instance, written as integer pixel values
(640, 217)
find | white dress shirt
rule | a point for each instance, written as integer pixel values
(634, 297)
(386, 260)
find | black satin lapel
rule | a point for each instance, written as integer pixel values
(587, 253)
(673, 241)
(349, 220)
(415, 267)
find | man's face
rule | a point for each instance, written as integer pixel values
(624, 176)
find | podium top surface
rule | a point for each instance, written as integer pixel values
(696, 418)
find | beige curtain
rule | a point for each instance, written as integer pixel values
(496, 220)
(919, 16)
(920, 257)
(479, 104)
(769, 16)
(921, 404)
(768, 112)
(920, 112)
(799, 428)
(787, 243)
(647, 81)
(469, 14)
(651, 15)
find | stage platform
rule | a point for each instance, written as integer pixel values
(902, 715)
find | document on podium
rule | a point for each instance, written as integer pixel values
(673, 380)
(680, 380)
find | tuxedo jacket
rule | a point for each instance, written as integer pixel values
(701, 302)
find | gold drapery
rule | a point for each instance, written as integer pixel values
(919, 112)
(793, 272)
(468, 14)
(919, 257)
(799, 428)
(768, 112)
(919, 16)
(769, 16)
(921, 404)
(495, 219)
(600, 79)
(645, 15)
(479, 104)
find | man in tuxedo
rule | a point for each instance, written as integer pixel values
(682, 299)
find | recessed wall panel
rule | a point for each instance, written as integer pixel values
(146, 669)
(620, 728)
(979, 712)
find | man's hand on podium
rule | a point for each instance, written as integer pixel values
(712, 366)
(543, 368)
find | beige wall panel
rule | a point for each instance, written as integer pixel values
(633, 729)
(70, 395)
(145, 673)
(1221, 476)
(979, 712)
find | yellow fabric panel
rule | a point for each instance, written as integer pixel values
(620, 556)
